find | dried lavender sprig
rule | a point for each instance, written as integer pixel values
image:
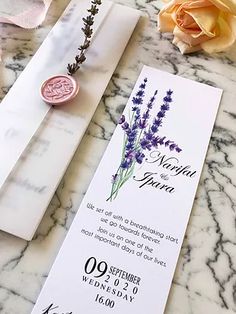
(88, 31)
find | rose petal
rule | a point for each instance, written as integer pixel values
(179, 17)
(165, 22)
(188, 21)
(202, 15)
(196, 4)
(206, 19)
(232, 23)
(226, 5)
(188, 38)
(185, 48)
(164, 19)
(221, 42)
(171, 5)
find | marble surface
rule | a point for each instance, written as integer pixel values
(205, 278)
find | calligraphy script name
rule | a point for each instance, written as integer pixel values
(171, 164)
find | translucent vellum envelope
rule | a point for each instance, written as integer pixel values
(37, 142)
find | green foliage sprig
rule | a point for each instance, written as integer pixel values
(88, 31)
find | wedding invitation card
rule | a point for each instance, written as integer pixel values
(37, 142)
(121, 251)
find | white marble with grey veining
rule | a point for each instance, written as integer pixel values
(205, 279)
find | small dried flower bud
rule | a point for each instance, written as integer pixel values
(89, 20)
(82, 58)
(94, 10)
(85, 45)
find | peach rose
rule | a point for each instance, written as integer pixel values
(200, 24)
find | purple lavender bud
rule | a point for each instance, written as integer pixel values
(167, 143)
(130, 154)
(133, 133)
(137, 100)
(131, 139)
(122, 119)
(172, 146)
(128, 131)
(178, 149)
(134, 126)
(140, 93)
(167, 99)
(145, 144)
(125, 126)
(161, 140)
(114, 178)
(143, 85)
(142, 124)
(161, 114)
(154, 128)
(146, 115)
(157, 122)
(139, 157)
(169, 92)
(158, 141)
(129, 146)
(155, 141)
(126, 163)
(165, 107)
(137, 115)
(149, 135)
(151, 101)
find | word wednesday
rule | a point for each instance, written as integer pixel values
(109, 289)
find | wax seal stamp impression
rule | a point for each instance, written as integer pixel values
(59, 89)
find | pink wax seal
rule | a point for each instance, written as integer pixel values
(59, 89)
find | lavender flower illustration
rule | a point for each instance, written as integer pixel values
(140, 136)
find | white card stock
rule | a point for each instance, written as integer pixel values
(121, 251)
(36, 140)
